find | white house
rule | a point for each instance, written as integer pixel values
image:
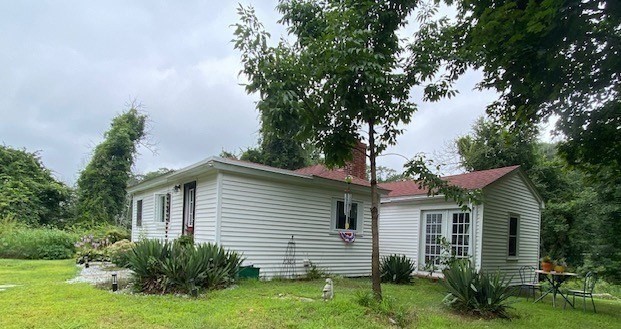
(501, 233)
(256, 210)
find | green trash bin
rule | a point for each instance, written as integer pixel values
(249, 272)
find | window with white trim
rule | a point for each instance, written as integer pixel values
(162, 207)
(339, 220)
(512, 248)
(452, 225)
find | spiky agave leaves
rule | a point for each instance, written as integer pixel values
(397, 269)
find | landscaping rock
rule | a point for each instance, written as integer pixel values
(98, 273)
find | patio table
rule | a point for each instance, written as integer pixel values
(556, 280)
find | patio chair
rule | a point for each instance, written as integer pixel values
(587, 291)
(529, 280)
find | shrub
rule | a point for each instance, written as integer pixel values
(145, 260)
(313, 272)
(119, 252)
(180, 267)
(92, 247)
(475, 292)
(17, 241)
(397, 269)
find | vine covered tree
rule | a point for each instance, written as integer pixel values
(28, 192)
(102, 184)
(346, 76)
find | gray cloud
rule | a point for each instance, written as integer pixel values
(68, 67)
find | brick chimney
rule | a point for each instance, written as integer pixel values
(358, 166)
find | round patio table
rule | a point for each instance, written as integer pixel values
(556, 280)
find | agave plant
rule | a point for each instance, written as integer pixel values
(475, 292)
(182, 267)
(397, 269)
(145, 260)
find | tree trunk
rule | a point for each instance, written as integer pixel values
(375, 270)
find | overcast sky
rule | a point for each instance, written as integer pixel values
(68, 67)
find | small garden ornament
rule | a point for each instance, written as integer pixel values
(328, 290)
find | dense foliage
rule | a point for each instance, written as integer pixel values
(28, 191)
(477, 293)
(551, 57)
(19, 241)
(119, 252)
(397, 269)
(102, 184)
(490, 145)
(345, 72)
(161, 267)
(281, 150)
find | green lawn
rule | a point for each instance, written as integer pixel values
(42, 299)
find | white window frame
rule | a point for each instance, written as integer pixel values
(447, 231)
(517, 236)
(359, 217)
(159, 210)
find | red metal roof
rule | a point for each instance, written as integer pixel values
(338, 174)
(472, 180)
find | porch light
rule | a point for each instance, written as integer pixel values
(115, 282)
(177, 188)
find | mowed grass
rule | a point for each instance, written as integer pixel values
(43, 299)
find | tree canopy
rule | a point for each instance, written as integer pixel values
(346, 76)
(28, 191)
(102, 184)
(492, 146)
(551, 57)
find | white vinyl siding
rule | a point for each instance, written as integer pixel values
(509, 196)
(205, 209)
(258, 218)
(398, 229)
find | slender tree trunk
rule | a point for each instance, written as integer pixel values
(375, 270)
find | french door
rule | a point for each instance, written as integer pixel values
(452, 225)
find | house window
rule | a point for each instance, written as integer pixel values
(340, 221)
(162, 207)
(139, 213)
(460, 235)
(513, 236)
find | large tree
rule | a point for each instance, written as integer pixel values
(491, 145)
(28, 191)
(345, 76)
(557, 58)
(102, 184)
(551, 57)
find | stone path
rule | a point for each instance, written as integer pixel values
(99, 273)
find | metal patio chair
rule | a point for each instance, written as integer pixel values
(589, 286)
(529, 280)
